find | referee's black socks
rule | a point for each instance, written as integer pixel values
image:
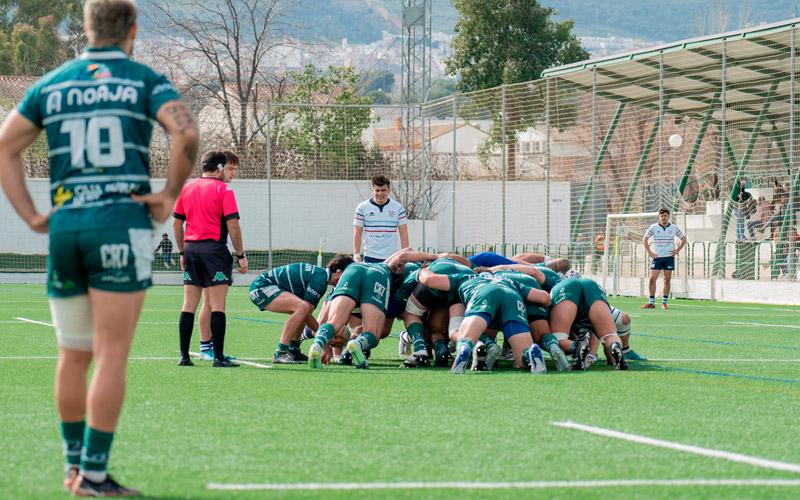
(218, 334)
(185, 325)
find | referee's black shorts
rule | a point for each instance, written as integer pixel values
(207, 263)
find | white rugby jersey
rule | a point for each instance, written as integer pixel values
(663, 238)
(381, 238)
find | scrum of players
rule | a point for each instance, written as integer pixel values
(452, 309)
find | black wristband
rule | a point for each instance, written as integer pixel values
(181, 253)
(241, 256)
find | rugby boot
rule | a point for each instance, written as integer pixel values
(315, 356)
(559, 358)
(535, 359)
(359, 356)
(620, 363)
(83, 487)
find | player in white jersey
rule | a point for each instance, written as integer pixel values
(659, 243)
(379, 224)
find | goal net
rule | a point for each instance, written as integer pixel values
(624, 255)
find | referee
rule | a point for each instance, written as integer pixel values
(208, 208)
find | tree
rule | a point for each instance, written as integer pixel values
(443, 87)
(217, 51)
(321, 128)
(32, 39)
(501, 42)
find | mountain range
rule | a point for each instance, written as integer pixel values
(364, 21)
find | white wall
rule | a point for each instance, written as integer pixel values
(305, 211)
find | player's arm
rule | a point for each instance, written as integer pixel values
(646, 243)
(177, 230)
(358, 235)
(522, 268)
(680, 245)
(433, 280)
(403, 231)
(16, 134)
(235, 231)
(457, 258)
(180, 125)
(539, 297)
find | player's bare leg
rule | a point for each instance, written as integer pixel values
(298, 311)
(338, 315)
(666, 288)
(606, 330)
(469, 332)
(651, 286)
(373, 319)
(204, 325)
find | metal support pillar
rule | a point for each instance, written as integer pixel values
(687, 171)
(587, 193)
(741, 167)
(648, 146)
(269, 191)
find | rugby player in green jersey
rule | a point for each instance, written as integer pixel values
(580, 304)
(492, 302)
(368, 287)
(98, 112)
(295, 289)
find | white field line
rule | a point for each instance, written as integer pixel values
(722, 360)
(33, 321)
(132, 358)
(238, 360)
(505, 485)
(733, 305)
(707, 452)
(745, 323)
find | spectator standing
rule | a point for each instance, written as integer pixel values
(165, 245)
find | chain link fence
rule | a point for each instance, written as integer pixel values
(705, 128)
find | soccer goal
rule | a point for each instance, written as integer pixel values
(625, 258)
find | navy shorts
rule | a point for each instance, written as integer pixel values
(663, 264)
(208, 263)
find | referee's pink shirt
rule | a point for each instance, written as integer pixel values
(206, 204)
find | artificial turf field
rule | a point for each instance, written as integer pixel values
(722, 377)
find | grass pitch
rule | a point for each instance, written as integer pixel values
(720, 377)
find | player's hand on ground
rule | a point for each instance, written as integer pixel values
(327, 355)
(39, 222)
(159, 204)
(242, 265)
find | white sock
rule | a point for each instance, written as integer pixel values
(95, 476)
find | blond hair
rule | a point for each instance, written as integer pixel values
(108, 22)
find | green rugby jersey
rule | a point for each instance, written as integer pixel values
(468, 286)
(98, 112)
(551, 278)
(306, 281)
(409, 282)
(520, 278)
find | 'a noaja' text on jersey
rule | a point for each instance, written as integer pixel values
(98, 112)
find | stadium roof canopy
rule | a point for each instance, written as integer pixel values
(753, 66)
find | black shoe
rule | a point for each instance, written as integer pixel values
(225, 363)
(346, 359)
(443, 359)
(580, 353)
(416, 361)
(299, 356)
(185, 361)
(106, 488)
(479, 359)
(620, 363)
